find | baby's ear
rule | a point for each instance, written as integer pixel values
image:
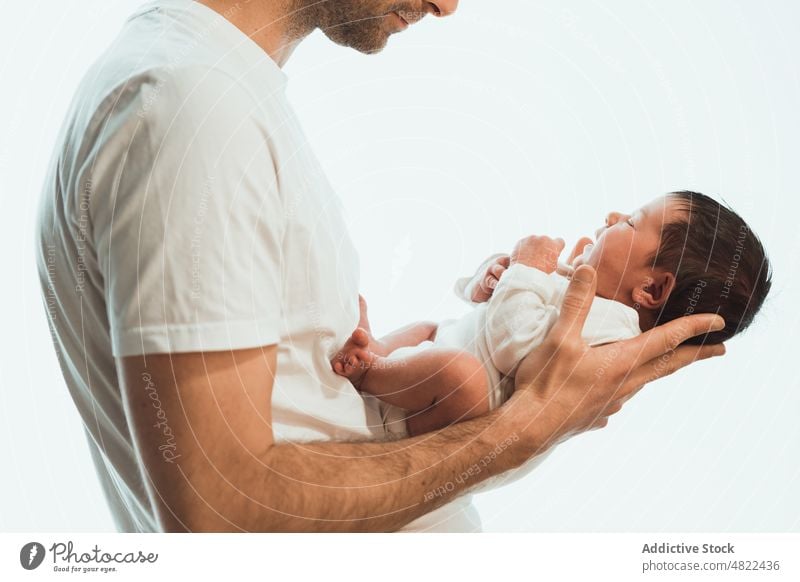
(654, 291)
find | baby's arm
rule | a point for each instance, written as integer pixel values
(518, 316)
(521, 312)
(526, 302)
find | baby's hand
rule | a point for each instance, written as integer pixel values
(577, 251)
(540, 252)
(484, 289)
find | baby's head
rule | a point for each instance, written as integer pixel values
(681, 254)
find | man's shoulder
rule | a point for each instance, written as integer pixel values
(176, 58)
(158, 92)
(133, 81)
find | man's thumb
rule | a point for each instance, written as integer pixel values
(577, 301)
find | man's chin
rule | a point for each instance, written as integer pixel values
(373, 50)
(368, 42)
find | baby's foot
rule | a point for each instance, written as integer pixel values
(355, 359)
(377, 347)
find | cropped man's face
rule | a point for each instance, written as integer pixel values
(366, 25)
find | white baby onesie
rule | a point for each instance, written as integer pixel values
(501, 332)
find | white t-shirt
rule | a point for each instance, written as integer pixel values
(184, 211)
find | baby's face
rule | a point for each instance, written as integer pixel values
(624, 246)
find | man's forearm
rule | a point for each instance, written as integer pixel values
(226, 472)
(359, 486)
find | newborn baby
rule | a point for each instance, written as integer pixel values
(680, 254)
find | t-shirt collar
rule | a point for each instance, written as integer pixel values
(231, 36)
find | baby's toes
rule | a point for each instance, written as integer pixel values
(364, 358)
(351, 363)
(360, 337)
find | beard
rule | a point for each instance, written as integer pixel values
(358, 24)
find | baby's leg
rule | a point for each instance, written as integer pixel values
(438, 386)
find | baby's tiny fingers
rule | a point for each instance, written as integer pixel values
(497, 270)
(488, 283)
(578, 248)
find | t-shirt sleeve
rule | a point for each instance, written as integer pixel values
(187, 217)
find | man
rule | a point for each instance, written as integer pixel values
(199, 276)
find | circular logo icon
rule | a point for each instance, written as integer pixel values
(31, 555)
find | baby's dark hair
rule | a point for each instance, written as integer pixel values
(719, 264)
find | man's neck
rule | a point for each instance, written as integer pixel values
(273, 25)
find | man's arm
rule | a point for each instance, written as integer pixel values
(211, 463)
(225, 472)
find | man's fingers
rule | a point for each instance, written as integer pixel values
(577, 302)
(667, 364)
(599, 424)
(665, 338)
(505, 260)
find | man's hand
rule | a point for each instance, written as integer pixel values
(540, 252)
(484, 289)
(576, 388)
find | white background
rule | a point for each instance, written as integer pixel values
(508, 119)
